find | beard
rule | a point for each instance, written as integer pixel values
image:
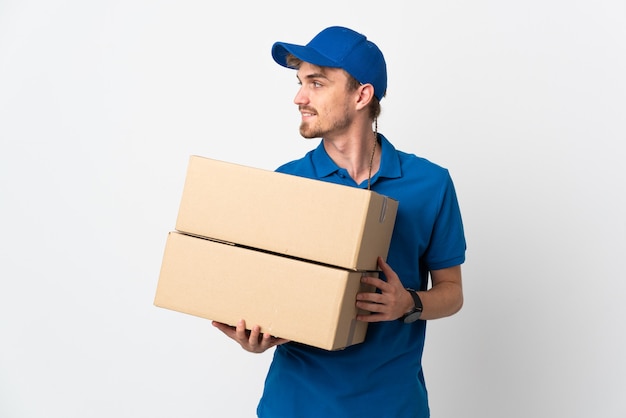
(307, 131)
(319, 129)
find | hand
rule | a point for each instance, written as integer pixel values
(252, 341)
(391, 303)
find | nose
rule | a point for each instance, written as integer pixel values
(300, 98)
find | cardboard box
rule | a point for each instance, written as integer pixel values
(309, 219)
(302, 301)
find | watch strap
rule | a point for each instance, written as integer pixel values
(415, 313)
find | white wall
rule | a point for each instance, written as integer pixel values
(102, 102)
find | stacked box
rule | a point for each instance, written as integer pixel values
(280, 251)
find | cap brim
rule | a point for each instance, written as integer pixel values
(280, 51)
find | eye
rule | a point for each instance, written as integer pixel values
(316, 84)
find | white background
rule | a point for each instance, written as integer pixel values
(102, 102)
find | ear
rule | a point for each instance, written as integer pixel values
(365, 95)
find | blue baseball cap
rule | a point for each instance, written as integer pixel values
(340, 47)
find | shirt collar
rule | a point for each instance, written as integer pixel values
(389, 164)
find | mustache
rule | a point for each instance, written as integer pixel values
(307, 109)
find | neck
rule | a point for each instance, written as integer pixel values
(359, 154)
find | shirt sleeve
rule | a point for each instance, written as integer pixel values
(447, 245)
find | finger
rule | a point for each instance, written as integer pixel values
(270, 341)
(267, 341)
(372, 317)
(241, 334)
(370, 297)
(374, 281)
(387, 271)
(371, 307)
(253, 339)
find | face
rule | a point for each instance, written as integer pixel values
(323, 101)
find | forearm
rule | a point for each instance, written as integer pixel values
(445, 297)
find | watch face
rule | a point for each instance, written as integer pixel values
(412, 317)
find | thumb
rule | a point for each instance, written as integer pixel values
(387, 271)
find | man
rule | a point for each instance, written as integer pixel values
(342, 78)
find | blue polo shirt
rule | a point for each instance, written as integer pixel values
(381, 377)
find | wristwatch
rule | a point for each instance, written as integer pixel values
(415, 313)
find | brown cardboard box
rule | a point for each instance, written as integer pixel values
(309, 219)
(298, 300)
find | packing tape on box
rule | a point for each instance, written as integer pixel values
(383, 210)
